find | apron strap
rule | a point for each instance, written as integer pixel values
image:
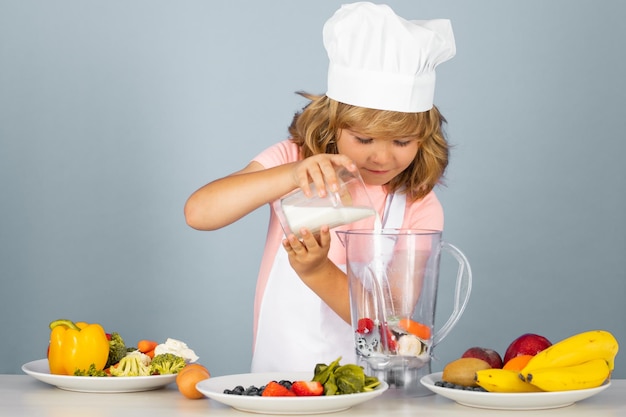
(393, 216)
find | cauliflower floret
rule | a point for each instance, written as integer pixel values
(178, 348)
(133, 364)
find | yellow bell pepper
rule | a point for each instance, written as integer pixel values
(75, 346)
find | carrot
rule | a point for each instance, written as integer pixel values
(150, 353)
(418, 329)
(145, 346)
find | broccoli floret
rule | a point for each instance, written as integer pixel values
(133, 364)
(117, 349)
(92, 371)
(166, 363)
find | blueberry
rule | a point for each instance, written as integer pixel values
(238, 390)
(285, 383)
(450, 385)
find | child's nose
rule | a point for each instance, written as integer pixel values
(381, 154)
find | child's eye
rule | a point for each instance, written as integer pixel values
(402, 143)
(363, 140)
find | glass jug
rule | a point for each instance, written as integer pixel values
(393, 276)
(348, 204)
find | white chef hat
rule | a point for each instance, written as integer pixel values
(382, 61)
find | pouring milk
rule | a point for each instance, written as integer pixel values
(313, 218)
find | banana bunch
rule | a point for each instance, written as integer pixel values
(589, 374)
(582, 361)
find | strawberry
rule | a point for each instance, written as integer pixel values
(307, 388)
(365, 326)
(274, 389)
(390, 338)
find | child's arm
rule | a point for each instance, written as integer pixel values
(226, 200)
(309, 258)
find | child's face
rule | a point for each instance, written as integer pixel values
(379, 160)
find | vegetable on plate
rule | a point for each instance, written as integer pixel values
(77, 347)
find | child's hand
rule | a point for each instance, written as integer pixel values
(309, 254)
(320, 170)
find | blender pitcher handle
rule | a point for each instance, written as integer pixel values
(461, 292)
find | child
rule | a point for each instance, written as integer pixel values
(377, 117)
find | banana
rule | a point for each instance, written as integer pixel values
(576, 349)
(590, 374)
(503, 380)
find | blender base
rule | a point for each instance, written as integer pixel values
(402, 374)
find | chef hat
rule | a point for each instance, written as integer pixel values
(382, 61)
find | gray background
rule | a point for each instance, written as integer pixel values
(113, 112)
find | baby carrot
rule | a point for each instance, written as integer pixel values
(418, 329)
(145, 346)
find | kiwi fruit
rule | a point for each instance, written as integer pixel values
(463, 371)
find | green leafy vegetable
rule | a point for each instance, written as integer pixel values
(346, 379)
(371, 382)
(350, 379)
(92, 371)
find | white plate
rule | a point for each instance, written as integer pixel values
(39, 369)
(214, 389)
(512, 401)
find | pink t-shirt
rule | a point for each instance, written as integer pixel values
(426, 213)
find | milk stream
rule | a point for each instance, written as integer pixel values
(378, 261)
(377, 268)
(313, 218)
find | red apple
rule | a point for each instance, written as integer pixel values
(488, 355)
(526, 344)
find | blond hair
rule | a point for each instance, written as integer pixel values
(316, 130)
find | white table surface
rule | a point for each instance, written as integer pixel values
(24, 396)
